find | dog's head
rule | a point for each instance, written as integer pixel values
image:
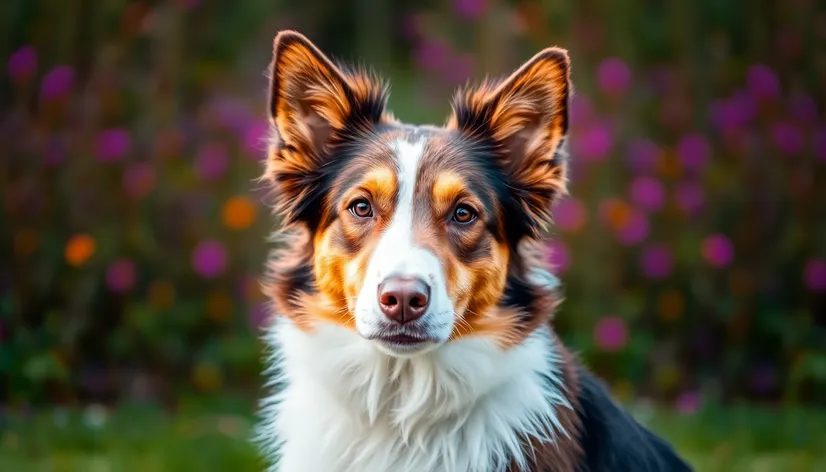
(413, 236)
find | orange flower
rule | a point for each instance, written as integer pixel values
(671, 305)
(218, 306)
(161, 295)
(79, 249)
(615, 213)
(239, 213)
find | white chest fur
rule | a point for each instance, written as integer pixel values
(346, 407)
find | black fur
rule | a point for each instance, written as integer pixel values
(613, 441)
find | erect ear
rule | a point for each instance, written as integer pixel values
(313, 106)
(525, 119)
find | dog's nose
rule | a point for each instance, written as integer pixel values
(404, 299)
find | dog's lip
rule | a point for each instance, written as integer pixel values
(401, 339)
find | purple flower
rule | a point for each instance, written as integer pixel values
(717, 250)
(693, 151)
(569, 215)
(814, 274)
(688, 195)
(688, 403)
(138, 179)
(23, 63)
(611, 334)
(57, 83)
(648, 193)
(470, 9)
(635, 230)
(211, 161)
(594, 143)
(559, 256)
(209, 259)
(656, 261)
(762, 82)
(786, 137)
(614, 76)
(803, 108)
(121, 276)
(112, 144)
(728, 115)
(642, 156)
(255, 139)
(744, 105)
(433, 55)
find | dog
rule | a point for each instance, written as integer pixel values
(410, 293)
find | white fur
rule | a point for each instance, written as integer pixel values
(342, 405)
(397, 254)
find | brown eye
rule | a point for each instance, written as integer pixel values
(464, 214)
(361, 208)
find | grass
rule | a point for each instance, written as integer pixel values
(217, 439)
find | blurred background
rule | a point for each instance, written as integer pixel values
(693, 248)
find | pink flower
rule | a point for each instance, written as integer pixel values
(470, 9)
(814, 274)
(762, 82)
(786, 137)
(255, 139)
(112, 144)
(648, 193)
(717, 250)
(635, 230)
(693, 151)
(121, 276)
(611, 334)
(23, 64)
(57, 83)
(594, 143)
(569, 215)
(688, 403)
(614, 76)
(209, 259)
(656, 261)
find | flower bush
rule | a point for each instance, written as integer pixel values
(692, 248)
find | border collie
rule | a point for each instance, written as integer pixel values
(412, 300)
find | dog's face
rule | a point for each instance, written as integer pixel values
(413, 233)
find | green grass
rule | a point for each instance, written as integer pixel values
(145, 439)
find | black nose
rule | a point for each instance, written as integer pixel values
(404, 299)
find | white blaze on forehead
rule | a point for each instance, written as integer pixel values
(391, 255)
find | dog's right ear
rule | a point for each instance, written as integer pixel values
(313, 104)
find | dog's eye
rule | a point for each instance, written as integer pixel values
(361, 208)
(464, 214)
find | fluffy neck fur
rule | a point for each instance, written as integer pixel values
(341, 405)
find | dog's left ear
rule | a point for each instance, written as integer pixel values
(525, 120)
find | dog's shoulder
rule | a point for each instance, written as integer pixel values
(614, 441)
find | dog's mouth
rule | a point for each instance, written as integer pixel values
(402, 341)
